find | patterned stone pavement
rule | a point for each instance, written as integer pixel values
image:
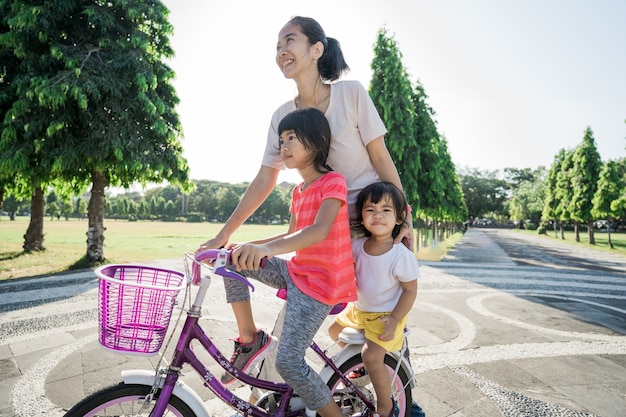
(506, 325)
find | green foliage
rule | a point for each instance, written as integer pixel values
(485, 193)
(420, 154)
(391, 92)
(528, 197)
(551, 202)
(564, 192)
(611, 187)
(584, 179)
(93, 93)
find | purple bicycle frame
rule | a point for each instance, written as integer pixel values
(183, 354)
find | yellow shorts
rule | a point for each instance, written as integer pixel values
(371, 326)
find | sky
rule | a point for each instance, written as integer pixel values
(511, 82)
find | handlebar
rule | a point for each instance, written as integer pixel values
(220, 258)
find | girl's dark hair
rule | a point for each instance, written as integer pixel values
(312, 129)
(374, 193)
(331, 65)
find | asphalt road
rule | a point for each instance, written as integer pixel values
(506, 325)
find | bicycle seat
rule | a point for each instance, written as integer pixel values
(352, 336)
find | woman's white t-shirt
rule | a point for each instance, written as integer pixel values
(354, 123)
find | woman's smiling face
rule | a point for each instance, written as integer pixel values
(293, 51)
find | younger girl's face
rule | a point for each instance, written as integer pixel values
(292, 150)
(379, 218)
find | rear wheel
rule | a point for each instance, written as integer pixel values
(351, 404)
(125, 400)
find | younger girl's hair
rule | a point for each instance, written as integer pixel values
(374, 193)
(312, 129)
(331, 64)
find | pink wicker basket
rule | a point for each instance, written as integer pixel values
(135, 306)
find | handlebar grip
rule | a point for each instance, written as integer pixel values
(213, 255)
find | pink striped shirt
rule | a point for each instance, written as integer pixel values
(325, 270)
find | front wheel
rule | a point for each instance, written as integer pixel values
(350, 404)
(125, 400)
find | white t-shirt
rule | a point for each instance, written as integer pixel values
(354, 122)
(378, 277)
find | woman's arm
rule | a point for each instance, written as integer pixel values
(248, 256)
(255, 195)
(387, 171)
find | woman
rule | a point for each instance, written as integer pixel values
(315, 62)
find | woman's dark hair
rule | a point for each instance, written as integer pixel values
(331, 65)
(374, 193)
(312, 129)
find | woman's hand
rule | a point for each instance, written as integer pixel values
(216, 243)
(406, 235)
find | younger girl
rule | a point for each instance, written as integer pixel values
(319, 275)
(386, 275)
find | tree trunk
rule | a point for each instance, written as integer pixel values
(418, 234)
(1, 199)
(576, 232)
(592, 239)
(562, 230)
(95, 214)
(33, 239)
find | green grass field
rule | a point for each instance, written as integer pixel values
(65, 243)
(127, 242)
(601, 238)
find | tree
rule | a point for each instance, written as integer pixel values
(453, 206)
(516, 176)
(440, 195)
(275, 207)
(53, 209)
(12, 205)
(391, 92)
(528, 198)
(551, 202)
(227, 201)
(564, 192)
(8, 67)
(484, 193)
(584, 179)
(611, 186)
(95, 104)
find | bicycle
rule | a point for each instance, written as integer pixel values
(135, 306)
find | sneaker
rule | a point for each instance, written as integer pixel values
(357, 373)
(359, 377)
(246, 356)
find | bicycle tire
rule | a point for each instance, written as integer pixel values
(122, 400)
(351, 404)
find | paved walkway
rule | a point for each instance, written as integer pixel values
(489, 337)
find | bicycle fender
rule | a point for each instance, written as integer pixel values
(349, 351)
(181, 390)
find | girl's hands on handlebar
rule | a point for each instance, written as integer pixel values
(249, 255)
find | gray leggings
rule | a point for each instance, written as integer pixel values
(303, 317)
